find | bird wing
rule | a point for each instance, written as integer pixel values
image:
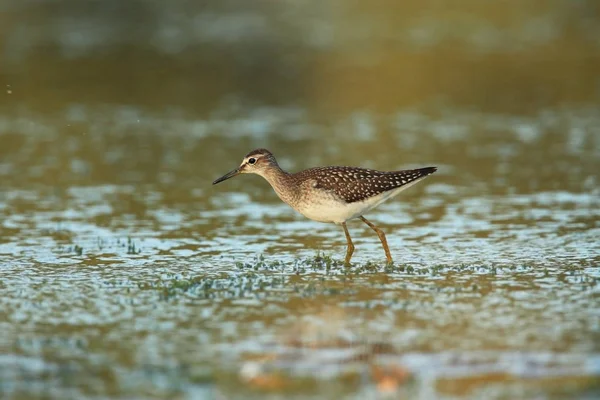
(357, 184)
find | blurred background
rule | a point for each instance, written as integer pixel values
(124, 272)
(311, 79)
(330, 56)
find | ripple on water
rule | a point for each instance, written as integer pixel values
(123, 285)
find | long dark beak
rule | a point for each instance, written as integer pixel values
(228, 175)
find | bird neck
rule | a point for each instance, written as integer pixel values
(281, 182)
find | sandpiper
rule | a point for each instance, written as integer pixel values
(331, 194)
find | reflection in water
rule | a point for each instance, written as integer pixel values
(123, 272)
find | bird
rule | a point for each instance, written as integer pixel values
(334, 194)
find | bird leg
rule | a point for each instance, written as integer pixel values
(350, 249)
(381, 237)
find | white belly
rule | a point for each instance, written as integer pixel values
(328, 208)
(332, 211)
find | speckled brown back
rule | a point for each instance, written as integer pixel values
(357, 184)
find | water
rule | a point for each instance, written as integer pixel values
(124, 273)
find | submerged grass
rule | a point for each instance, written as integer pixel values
(239, 285)
(322, 275)
(325, 263)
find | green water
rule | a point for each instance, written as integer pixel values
(125, 274)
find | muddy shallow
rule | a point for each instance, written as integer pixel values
(124, 273)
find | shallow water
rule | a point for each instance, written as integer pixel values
(124, 273)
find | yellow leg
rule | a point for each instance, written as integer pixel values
(381, 237)
(350, 249)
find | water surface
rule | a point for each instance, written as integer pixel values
(125, 274)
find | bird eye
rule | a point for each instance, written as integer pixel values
(252, 161)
